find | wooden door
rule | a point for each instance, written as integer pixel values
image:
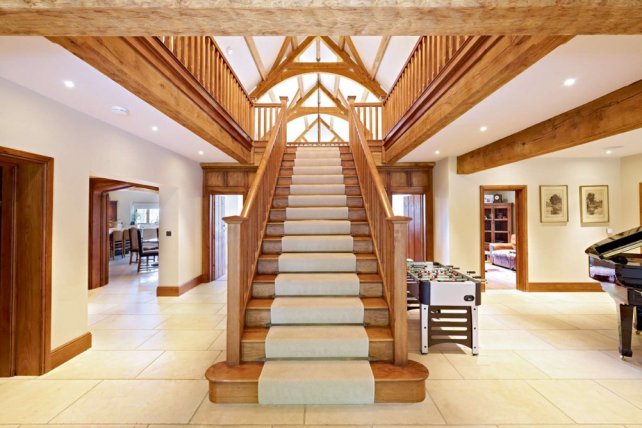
(220, 237)
(6, 272)
(414, 207)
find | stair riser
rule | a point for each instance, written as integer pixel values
(291, 156)
(352, 202)
(290, 164)
(366, 289)
(347, 180)
(270, 267)
(261, 317)
(359, 246)
(350, 191)
(378, 351)
(288, 172)
(342, 149)
(359, 229)
(354, 214)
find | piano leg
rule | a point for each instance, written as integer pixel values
(424, 319)
(637, 321)
(625, 324)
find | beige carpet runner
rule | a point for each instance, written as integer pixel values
(317, 346)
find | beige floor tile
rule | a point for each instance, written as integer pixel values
(594, 322)
(142, 309)
(561, 426)
(588, 402)
(634, 362)
(119, 340)
(605, 308)
(85, 426)
(104, 365)
(195, 308)
(100, 308)
(438, 365)
(213, 426)
(494, 309)
(222, 324)
(580, 365)
(123, 298)
(386, 414)
(129, 322)
(182, 340)
(180, 365)
(137, 401)
(94, 318)
(492, 402)
(532, 322)
(493, 322)
(534, 308)
(494, 365)
(191, 322)
(233, 414)
(636, 339)
(510, 340)
(220, 344)
(576, 339)
(37, 401)
(200, 298)
(630, 390)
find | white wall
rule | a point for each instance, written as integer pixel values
(83, 147)
(556, 251)
(126, 201)
(631, 179)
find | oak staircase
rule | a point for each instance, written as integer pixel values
(378, 243)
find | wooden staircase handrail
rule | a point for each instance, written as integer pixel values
(245, 234)
(389, 234)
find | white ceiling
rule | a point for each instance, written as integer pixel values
(42, 66)
(601, 64)
(617, 146)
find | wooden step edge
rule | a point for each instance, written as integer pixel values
(360, 256)
(280, 238)
(258, 334)
(363, 277)
(393, 384)
(368, 303)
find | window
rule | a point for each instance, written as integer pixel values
(147, 216)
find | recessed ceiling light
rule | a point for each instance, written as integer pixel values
(569, 82)
(608, 152)
(68, 83)
(229, 50)
(437, 152)
(155, 128)
(483, 128)
(201, 152)
(121, 111)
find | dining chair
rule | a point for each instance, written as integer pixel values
(134, 245)
(127, 245)
(117, 243)
(144, 252)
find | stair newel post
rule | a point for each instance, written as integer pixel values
(235, 295)
(398, 276)
(284, 124)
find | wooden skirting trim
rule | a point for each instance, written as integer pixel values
(175, 291)
(563, 286)
(66, 352)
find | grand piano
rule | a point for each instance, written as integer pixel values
(613, 263)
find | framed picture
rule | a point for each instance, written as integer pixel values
(553, 204)
(594, 204)
(488, 199)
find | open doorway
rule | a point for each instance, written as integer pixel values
(503, 237)
(26, 208)
(122, 230)
(222, 206)
(413, 205)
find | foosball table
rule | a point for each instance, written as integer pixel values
(447, 301)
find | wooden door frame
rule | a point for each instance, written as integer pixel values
(427, 244)
(30, 330)
(640, 202)
(208, 230)
(521, 232)
(98, 242)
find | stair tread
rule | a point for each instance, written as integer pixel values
(279, 238)
(363, 277)
(359, 256)
(258, 334)
(368, 302)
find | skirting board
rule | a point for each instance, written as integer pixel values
(175, 291)
(563, 286)
(66, 352)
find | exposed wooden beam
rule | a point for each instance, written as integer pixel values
(282, 52)
(334, 99)
(256, 57)
(383, 46)
(494, 61)
(307, 129)
(342, 42)
(329, 128)
(337, 84)
(354, 52)
(297, 17)
(318, 49)
(143, 67)
(308, 111)
(364, 95)
(611, 114)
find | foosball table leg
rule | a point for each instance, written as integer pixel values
(424, 318)
(475, 332)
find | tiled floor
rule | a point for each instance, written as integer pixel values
(499, 278)
(546, 360)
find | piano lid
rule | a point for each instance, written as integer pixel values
(616, 244)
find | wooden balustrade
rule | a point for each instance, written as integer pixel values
(431, 56)
(204, 60)
(389, 234)
(370, 115)
(263, 119)
(245, 234)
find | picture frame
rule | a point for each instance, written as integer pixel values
(553, 203)
(594, 204)
(488, 199)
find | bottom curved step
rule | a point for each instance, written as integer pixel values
(393, 384)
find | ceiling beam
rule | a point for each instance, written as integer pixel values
(329, 128)
(256, 57)
(492, 62)
(357, 17)
(146, 69)
(307, 129)
(282, 52)
(354, 52)
(614, 113)
(383, 46)
(309, 111)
